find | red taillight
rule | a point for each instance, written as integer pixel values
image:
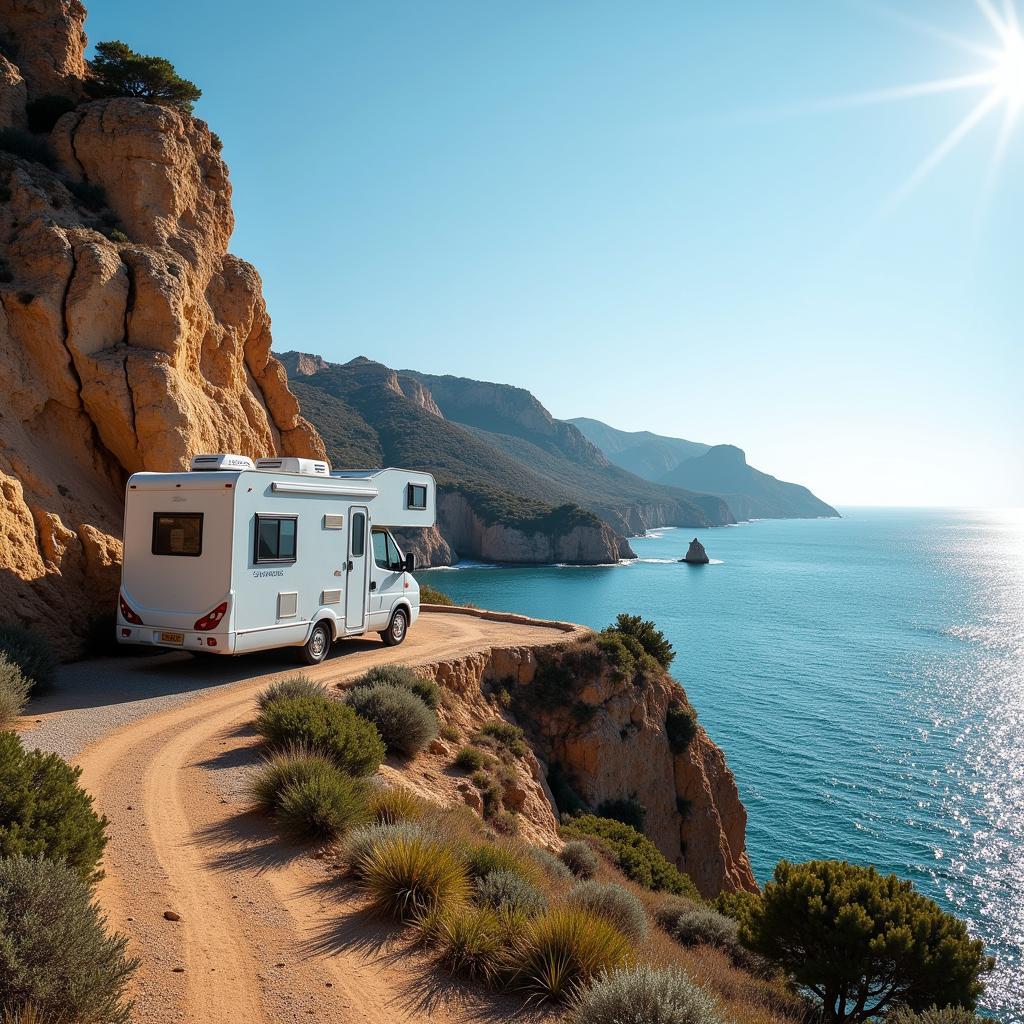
(211, 641)
(127, 613)
(211, 619)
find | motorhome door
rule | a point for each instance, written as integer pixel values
(358, 564)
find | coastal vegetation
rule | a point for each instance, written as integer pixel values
(14, 691)
(117, 70)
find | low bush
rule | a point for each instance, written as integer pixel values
(505, 822)
(327, 726)
(642, 993)
(737, 905)
(21, 143)
(404, 722)
(667, 912)
(393, 804)
(324, 806)
(430, 595)
(550, 864)
(44, 812)
(470, 759)
(483, 858)
(565, 949)
(701, 926)
(451, 732)
(680, 727)
(45, 111)
(628, 810)
(472, 941)
(505, 735)
(284, 689)
(32, 653)
(14, 689)
(361, 842)
(935, 1015)
(580, 859)
(508, 890)
(614, 904)
(407, 877)
(638, 858)
(282, 770)
(401, 675)
(55, 953)
(643, 632)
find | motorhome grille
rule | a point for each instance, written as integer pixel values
(287, 604)
(332, 522)
(331, 597)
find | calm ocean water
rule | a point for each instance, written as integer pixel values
(865, 677)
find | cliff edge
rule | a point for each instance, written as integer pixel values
(130, 338)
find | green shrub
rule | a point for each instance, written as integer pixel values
(394, 804)
(407, 877)
(401, 675)
(667, 912)
(508, 890)
(646, 634)
(117, 235)
(614, 904)
(117, 70)
(55, 953)
(680, 727)
(580, 859)
(565, 949)
(702, 926)
(638, 858)
(405, 723)
(470, 759)
(887, 945)
(505, 822)
(550, 864)
(428, 595)
(471, 941)
(284, 689)
(644, 995)
(737, 905)
(935, 1015)
(505, 735)
(282, 770)
(327, 726)
(483, 858)
(18, 142)
(44, 112)
(14, 690)
(361, 842)
(32, 653)
(451, 732)
(44, 812)
(325, 806)
(628, 810)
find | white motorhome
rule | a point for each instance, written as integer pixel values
(237, 556)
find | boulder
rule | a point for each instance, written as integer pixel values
(695, 554)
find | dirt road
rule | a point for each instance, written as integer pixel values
(266, 932)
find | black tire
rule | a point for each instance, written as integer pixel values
(397, 628)
(318, 646)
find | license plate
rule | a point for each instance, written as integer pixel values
(172, 638)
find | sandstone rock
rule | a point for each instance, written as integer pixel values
(301, 364)
(48, 40)
(695, 554)
(170, 915)
(471, 796)
(440, 748)
(13, 95)
(115, 356)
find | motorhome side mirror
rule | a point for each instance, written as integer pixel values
(410, 563)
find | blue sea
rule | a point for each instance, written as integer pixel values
(865, 677)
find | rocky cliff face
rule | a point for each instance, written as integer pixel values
(615, 746)
(118, 355)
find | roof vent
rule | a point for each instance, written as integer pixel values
(208, 463)
(304, 467)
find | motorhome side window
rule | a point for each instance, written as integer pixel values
(417, 495)
(358, 534)
(275, 538)
(178, 533)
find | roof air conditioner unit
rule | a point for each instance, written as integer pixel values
(303, 467)
(208, 463)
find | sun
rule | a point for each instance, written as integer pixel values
(1008, 75)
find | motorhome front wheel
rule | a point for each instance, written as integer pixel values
(318, 644)
(395, 633)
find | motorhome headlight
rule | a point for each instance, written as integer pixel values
(126, 613)
(211, 619)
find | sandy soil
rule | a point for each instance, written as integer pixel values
(268, 932)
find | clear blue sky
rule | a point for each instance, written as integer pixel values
(643, 213)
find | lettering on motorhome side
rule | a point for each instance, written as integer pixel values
(198, 580)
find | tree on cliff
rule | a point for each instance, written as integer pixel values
(117, 70)
(864, 942)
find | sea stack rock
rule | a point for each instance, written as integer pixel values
(695, 554)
